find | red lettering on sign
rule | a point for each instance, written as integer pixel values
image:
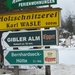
(50, 59)
(48, 37)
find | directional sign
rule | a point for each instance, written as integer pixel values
(23, 57)
(15, 4)
(30, 20)
(24, 38)
(30, 38)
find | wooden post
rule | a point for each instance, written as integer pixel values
(16, 68)
(47, 70)
(47, 67)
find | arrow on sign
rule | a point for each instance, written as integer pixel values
(24, 38)
(25, 57)
(8, 3)
(15, 4)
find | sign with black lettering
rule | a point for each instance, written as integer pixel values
(30, 38)
(30, 20)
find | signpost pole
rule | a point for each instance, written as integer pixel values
(48, 70)
(16, 68)
(47, 67)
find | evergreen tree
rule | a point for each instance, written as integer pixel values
(62, 23)
(69, 24)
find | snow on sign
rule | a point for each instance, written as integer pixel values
(23, 57)
(30, 38)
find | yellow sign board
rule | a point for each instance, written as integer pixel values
(30, 20)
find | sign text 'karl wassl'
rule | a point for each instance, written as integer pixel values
(30, 20)
(30, 38)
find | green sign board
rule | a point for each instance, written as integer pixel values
(24, 38)
(15, 4)
(23, 57)
(30, 38)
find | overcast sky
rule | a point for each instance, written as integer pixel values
(68, 6)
